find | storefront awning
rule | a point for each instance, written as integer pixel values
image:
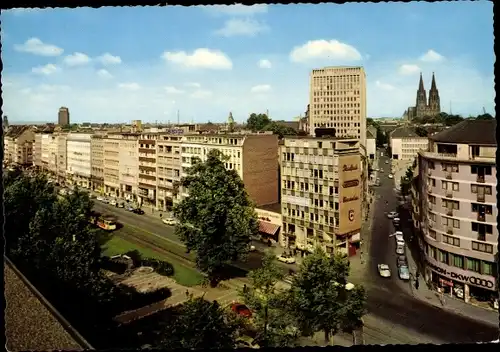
(268, 228)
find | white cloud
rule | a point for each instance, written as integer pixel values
(264, 63)
(200, 58)
(241, 27)
(104, 73)
(129, 86)
(384, 86)
(54, 88)
(173, 90)
(325, 49)
(261, 88)
(108, 59)
(36, 47)
(431, 56)
(45, 70)
(408, 69)
(192, 85)
(238, 9)
(76, 59)
(201, 94)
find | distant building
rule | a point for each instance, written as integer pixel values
(424, 107)
(405, 144)
(18, 145)
(63, 116)
(136, 126)
(371, 145)
(5, 122)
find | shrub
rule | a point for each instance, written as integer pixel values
(161, 267)
(113, 265)
(136, 257)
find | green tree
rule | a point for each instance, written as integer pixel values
(485, 116)
(272, 320)
(256, 122)
(280, 130)
(421, 131)
(319, 297)
(200, 325)
(217, 219)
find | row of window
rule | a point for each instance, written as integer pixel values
(317, 218)
(306, 187)
(460, 261)
(455, 241)
(455, 223)
(454, 186)
(474, 169)
(455, 205)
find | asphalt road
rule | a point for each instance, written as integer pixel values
(391, 299)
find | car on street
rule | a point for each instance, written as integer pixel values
(381, 171)
(286, 259)
(392, 215)
(128, 207)
(241, 309)
(138, 211)
(390, 176)
(100, 198)
(401, 261)
(400, 249)
(120, 205)
(404, 272)
(169, 221)
(387, 161)
(384, 270)
(396, 221)
(398, 236)
(112, 202)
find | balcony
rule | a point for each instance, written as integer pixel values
(481, 237)
(448, 175)
(431, 224)
(449, 230)
(481, 217)
(431, 206)
(449, 193)
(481, 198)
(480, 179)
(429, 189)
(449, 212)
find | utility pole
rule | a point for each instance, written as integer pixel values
(178, 118)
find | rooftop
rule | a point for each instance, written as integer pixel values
(404, 132)
(275, 207)
(16, 130)
(469, 131)
(30, 322)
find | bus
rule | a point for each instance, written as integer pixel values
(105, 222)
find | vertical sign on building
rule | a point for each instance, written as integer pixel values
(350, 189)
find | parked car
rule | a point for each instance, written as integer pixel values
(381, 171)
(286, 259)
(138, 211)
(401, 261)
(112, 202)
(100, 198)
(128, 207)
(390, 176)
(398, 236)
(400, 249)
(392, 215)
(251, 248)
(120, 205)
(404, 272)
(384, 270)
(241, 309)
(169, 221)
(387, 161)
(396, 221)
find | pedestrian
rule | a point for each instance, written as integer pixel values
(161, 215)
(417, 283)
(245, 288)
(187, 293)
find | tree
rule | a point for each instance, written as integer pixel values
(319, 297)
(280, 130)
(200, 324)
(421, 132)
(217, 219)
(381, 137)
(485, 116)
(273, 321)
(256, 122)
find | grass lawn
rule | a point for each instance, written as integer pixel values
(182, 274)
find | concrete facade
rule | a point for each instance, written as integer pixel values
(168, 170)
(147, 189)
(129, 165)
(321, 192)
(112, 166)
(18, 145)
(337, 99)
(78, 154)
(457, 212)
(97, 162)
(406, 148)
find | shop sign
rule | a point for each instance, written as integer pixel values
(349, 199)
(350, 167)
(351, 183)
(468, 279)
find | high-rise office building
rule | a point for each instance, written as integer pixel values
(63, 116)
(337, 99)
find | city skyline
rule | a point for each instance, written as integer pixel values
(239, 59)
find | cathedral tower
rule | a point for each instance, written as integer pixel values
(434, 104)
(421, 95)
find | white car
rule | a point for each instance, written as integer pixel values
(251, 248)
(387, 161)
(392, 215)
(100, 198)
(169, 221)
(400, 250)
(404, 273)
(396, 220)
(285, 259)
(384, 271)
(112, 202)
(400, 241)
(390, 176)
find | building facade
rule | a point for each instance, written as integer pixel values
(97, 163)
(337, 99)
(18, 145)
(78, 154)
(253, 156)
(424, 107)
(168, 170)
(63, 116)
(147, 189)
(371, 144)
(457, 210)
(405, 144)
(129, 165)
(321, 193)
(112, 166)
(62, 161)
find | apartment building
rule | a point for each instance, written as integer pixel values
(405, 144)
(321, 193)
(168, 170)
(97, 163)
(371, 143)
(62, 162)
(129, 165)
(45, 150)
(112, 165)
(253, 156)
(37, 151)
(18, 145)
(147, 188)
(337, 99)
(457, 210)
(78, 153)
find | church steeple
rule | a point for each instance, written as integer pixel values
(434, 103)
(433, 84)
(421, 83)
(421, 95)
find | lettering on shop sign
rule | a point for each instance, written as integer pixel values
(351, 183)
(351, 167)
(349, 199)
(351, 215)
(464, 278)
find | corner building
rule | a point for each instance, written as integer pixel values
(321, 194)
(458, 211)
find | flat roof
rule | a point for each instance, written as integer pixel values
(275, 207)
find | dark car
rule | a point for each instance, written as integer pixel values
(241, 309)
(401, 261)
(138, 211)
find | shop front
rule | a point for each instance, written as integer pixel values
(459, 283)
(270, 226)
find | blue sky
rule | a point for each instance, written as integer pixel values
(118, 64)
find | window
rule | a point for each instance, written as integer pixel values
(450, 167)
(482, 208)
(484, 227)
(432, 234)
(457, 261)
(450, 204)
(451, 240)
(487, 268)
(443, 256)
(482, 247)
(432, 199)
(432, 216)
(473, 265)
(432, 182)
(431, 165)
(432, 252)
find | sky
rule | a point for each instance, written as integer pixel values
(117, 64)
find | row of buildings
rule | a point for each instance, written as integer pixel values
(455, 212)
